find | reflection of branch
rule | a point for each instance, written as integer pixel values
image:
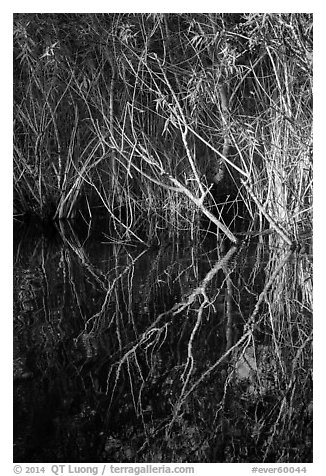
(111, 286)
(190, 359)
(251, 320)
(70, 238)
(228, 311)
(178, 406)
(247, 335)
(153, 333)
(201, 289)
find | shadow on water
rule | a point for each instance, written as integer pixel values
(190, 352)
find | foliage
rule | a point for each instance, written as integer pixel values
(147, 111)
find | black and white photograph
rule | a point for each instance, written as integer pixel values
(162, 240)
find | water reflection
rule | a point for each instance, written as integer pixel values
(190, 352)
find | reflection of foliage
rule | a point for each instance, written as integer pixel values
(171, 355)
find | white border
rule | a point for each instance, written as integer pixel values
(319, 201)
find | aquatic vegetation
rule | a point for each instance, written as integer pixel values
(163, 299)
(159, 117)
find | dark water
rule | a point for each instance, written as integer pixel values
(117, 348)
